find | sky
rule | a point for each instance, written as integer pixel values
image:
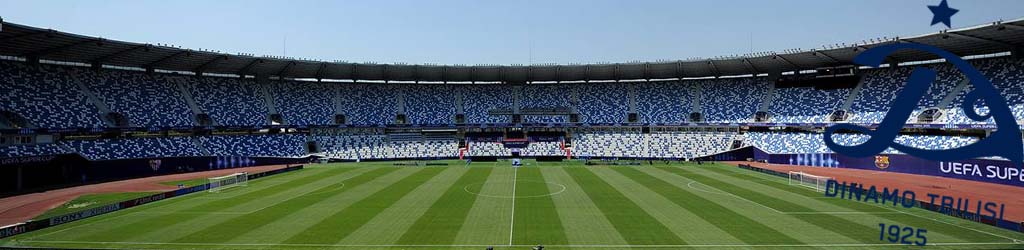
(472, 32)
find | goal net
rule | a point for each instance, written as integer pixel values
(220, 183)
(808, 180)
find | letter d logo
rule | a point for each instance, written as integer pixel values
(1004, 142)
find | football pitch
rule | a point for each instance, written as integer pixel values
(561, 205)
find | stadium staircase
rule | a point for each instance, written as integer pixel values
(189, 99)
(199, 145)
(631, 100)
(338, 106)
(848, 103)
(697, 93)
(767, 102)
(268, 99)
(400, 105)
(94, 100)
(952, 96)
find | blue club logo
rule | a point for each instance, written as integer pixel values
(1004, 142)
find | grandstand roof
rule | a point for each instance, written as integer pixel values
(46, 44)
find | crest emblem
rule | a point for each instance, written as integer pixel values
(1004, 142)
(882, 161)
(155, 164)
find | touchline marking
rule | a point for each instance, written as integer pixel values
(486, 245)
(512, 222)
(158, 204)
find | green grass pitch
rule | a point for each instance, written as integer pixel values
(560, 205)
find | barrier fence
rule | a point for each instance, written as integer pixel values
(16, 229)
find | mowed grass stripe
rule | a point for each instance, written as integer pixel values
(636, 226)
(487, 222)
(343, 222)
(689, 226)
(441, 223)
(536, 218)
(859, 232)
(745, 229)
(151, 223)
(583, 221)
(902, 219)
(227, 230)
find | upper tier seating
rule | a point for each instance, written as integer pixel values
(477, 99)
(49, 96)
(305, 103)
(732, 100)
(881, 86)
(45, 96)
(603, 102)
(545, 96)
(664, 102)
(805, 105)
(369, 104)
(146, 100)
(229, 101)
(134, 148)
(430, 104)
(1007, 75)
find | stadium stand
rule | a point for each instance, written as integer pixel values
(732, 100)
(664, 102)
(546, 96)
(543, 148)
(146, 100)
(134, 148)
(229, 102)
(805, 105)
(800, 143)
(284, 145)
(488, 148)
(429, 104)
(881, 87)
(54, 96)
(633, 144)
(477, 99)
(369, 104)
(603, 102)
(305, 103)
(46, 97)
(373, 144)
(32, 150)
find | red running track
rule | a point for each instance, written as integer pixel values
(17, 209)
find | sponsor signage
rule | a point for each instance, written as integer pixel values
(61, 219)
(983, 170)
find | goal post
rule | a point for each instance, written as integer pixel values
(808, 180)
(217, 184)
